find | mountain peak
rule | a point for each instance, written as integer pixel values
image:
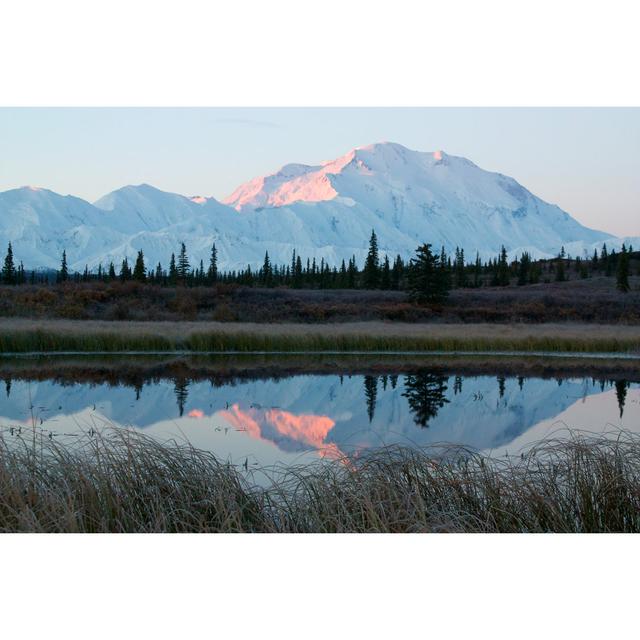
(376, 164)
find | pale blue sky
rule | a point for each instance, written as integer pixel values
(585, 160)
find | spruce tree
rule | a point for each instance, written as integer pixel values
(125, 271)
(63, 274)
(139, 270)
(622, 273)
(297, 274)
(183, 267)
(173, 271)
(112, 271)
(9, 269)
(371, 270)
(503, 269)
(396, 273)
(266, 273)
(460, 272)
(352, 273)
(428, 281)
(524, 268)
(477, 271)
(385, 276)
(212, 273)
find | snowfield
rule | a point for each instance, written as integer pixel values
(324, 211)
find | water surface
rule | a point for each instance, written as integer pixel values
(290, 419)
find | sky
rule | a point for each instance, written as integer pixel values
(585, 160)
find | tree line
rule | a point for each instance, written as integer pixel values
(427, 277)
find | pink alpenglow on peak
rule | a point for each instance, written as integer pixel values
(379, 165)
(198, 199)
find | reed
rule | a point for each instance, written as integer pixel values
(123, 481)
(88, 336)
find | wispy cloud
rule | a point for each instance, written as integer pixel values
(249, 122)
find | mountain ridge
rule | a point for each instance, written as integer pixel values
(325, 211)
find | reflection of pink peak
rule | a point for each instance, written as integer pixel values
(196, 413)
(284, 428)
(437, 155)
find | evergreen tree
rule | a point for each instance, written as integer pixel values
(503, 269)
(112, 271)
(173, 271)
(428, 281)
(212, 273)
(560, 273)
(125, 271)
(622, 273)
(396, 273)
(183, 267)
(9, 269)
(266, 273)
(297, 274)
(139, 270)
(477, 271)
(459, 269)
(524, 268)
(63, 274)
(371, 270)
(385, 276)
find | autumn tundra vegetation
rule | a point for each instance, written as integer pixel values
(431, 287)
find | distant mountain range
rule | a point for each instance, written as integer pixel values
(324, 211)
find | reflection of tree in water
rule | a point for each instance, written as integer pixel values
(501, 382)
(394, 381)
(181, 389)
(424, 392)
(371, 393)
(520, 382)
(7, 386)
(138, 388)
(457, 385)
(621, 394)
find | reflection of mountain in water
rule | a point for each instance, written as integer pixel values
(340, 412)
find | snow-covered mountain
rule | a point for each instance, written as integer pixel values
(323, 211)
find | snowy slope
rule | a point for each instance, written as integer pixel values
(409, 197)
(323, 211)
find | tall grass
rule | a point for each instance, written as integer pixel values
(123, 481)
(86, 336)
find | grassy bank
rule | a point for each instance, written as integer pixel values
(137, 370)
(21, 336)
(126, 482)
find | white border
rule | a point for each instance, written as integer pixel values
(286, 52)
(333, 52)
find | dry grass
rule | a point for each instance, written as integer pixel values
(126, 482)
(22, 335)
